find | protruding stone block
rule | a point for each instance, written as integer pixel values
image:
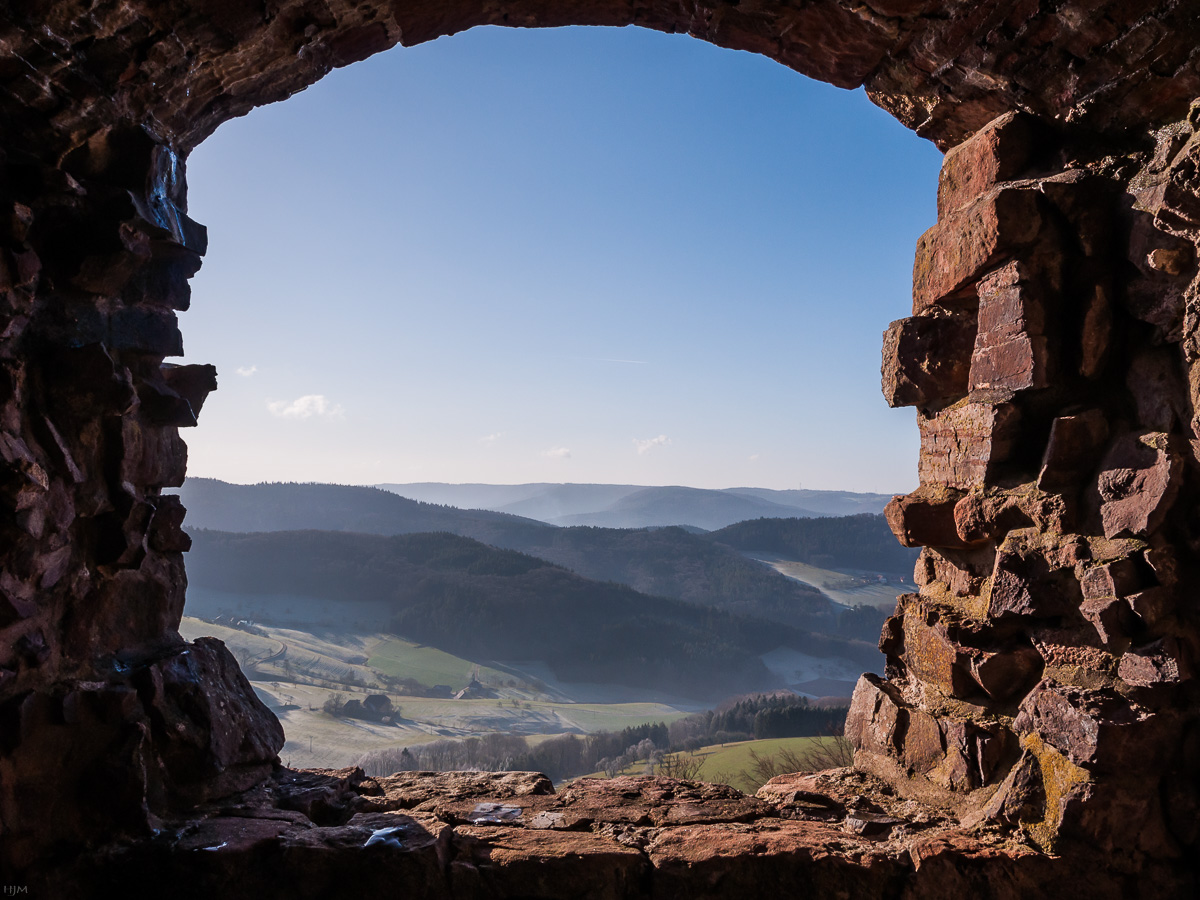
(925, 517)
(1010, 352)
(997, 152)
(1138, 482)
(962, 444)
(935, 658)
(1023, 585)
(1155, 665)
(927, 358)
(194, 383)
(874, 716)
(963, 246)
(1098, 729)
(1113, 579)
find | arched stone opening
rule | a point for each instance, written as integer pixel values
(1040, 686)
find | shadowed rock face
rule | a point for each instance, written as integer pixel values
(1040, 691)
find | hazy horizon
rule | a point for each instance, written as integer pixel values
(583, 255)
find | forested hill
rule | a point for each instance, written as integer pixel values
(668, 562)
(847, 542)
(476, 601)
(672, 562)
(334, 507)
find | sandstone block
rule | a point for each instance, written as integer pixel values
(927, 358)
(925, 517)
(874, 717)
(1139, 479)
(1099, 729)
(997, 152)
(211, 731)
(166, 534)
(145, 330)
(923, 748)
(1071, 452)
(964, 245)
(982, 515)
(935, 657)
(1024, 585)
(1114, 579)
(1010, 353)
(1008, 673)
(194, 383)
(1155, 665)
(962, 445)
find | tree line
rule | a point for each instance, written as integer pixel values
(565, 756)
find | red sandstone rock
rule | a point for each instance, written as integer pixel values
(1114, 579)
(1011, 352)
(1094, 728)
(962, 445)
(1163, 662)
(1138, 482)
(925, 517)
(961, 247)
(926, 358)
(1024, 585)
(1000, 151)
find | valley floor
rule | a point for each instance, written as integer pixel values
(297, 673)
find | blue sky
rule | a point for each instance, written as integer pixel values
(584, 254)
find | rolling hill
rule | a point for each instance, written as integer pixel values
(483, 603)
(862, 542)
(669, 562)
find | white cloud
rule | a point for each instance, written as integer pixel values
(304, 407)
(753, 457)
(644, 447)
(557, 453)
(490, 439)
(246, 371)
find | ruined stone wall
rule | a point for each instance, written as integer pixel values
(106, 718)
(1043, 676)
(1041, 683)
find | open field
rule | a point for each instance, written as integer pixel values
(428, 665)
(724, 763)
(846, 588)
(295, 673)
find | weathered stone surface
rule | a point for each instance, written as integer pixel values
(954, 253)
(925, 517)
(1025, 584)
(962, 445)
(927, 358)
(1011, 352)
(998, 152)
(1093, 728)
(1164, 662)
(1138, 481)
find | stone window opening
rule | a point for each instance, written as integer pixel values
(1036, 730)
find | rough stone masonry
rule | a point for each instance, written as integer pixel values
(1038, 729)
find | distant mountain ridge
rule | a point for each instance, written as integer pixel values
(668, 562)
(640, 506)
